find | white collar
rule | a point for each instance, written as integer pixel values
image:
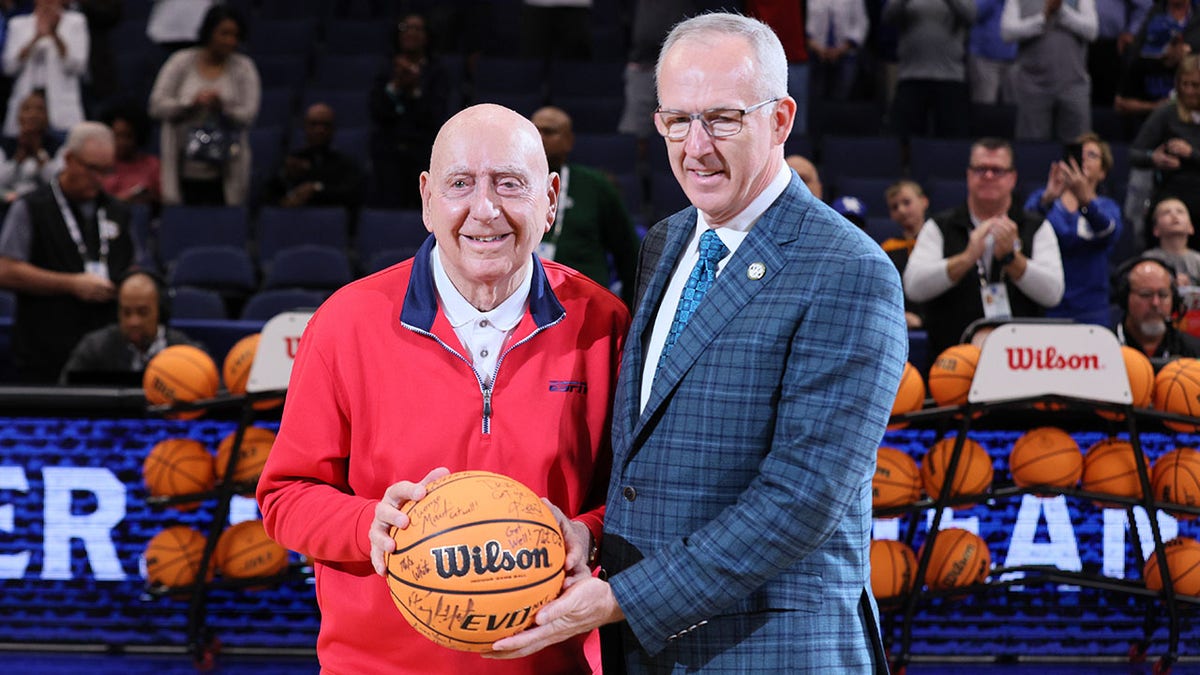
(460, 312)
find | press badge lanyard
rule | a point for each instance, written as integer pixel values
(549, 246)
(96, 267)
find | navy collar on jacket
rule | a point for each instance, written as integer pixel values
(421, 300)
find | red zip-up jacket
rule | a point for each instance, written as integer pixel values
(382, 391)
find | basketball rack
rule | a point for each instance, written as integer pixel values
(202, 643)
(961, 418)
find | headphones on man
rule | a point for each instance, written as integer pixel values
(160, 285)
(1123, 286)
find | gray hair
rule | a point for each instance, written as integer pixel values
(84, 132)
(769, 57)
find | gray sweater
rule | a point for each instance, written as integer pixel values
(933, 35)
(1054, 52)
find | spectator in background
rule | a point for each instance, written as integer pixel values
(1169, 142)
(60, 248)
(808, 173)
(126, 346)
(174, 24)
(1148, 296)
(207, 92)
(556, 29)
(931, 94)
(26, 160)
(1172, 228)
(317, 175)
(1087, 225)
(407, 105)
(907, 206)
(137, 174)
(101, 81)
(836, 30)
(985, 259)
(1050, 74)
(989, 57)
(591, 223)
(786, 19)
(1119, 22)
(47, 50)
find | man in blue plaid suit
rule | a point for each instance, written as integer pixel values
(738, 517)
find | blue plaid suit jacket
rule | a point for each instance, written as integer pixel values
(739, 513)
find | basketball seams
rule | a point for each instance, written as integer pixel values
(475, 523)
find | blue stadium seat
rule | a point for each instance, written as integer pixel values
(283, 36)
(382, 229)
(612, 152)
(569, 79)
(350, 106)
(279, 228)
(870, 191)
(945, 193)
(666, 197)
(1033, 158)
(281, 71)
(939, 158)
(8, 303)
(264, 305)
(359, 36)
(860, 156)
(799, 144)
(592, 114)
(348, 71)
(276, 107)
(183, 227)
(188, 302)
(495, 74)
(882, 228)
(319, 268)
(227, 270)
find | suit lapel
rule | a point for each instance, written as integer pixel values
(735, 288)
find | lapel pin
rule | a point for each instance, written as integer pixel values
(756, 271)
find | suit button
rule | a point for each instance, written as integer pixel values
(629, 493)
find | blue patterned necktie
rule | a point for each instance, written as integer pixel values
(698, 283)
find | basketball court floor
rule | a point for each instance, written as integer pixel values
(39, 663)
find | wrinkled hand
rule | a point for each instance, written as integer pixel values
(1056, 183)
(585, 606)
(387, 514)
(1077, 182)
(92, 288)
(578, 542)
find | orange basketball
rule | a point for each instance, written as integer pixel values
(172, 557)
(1177, 390)
(180, 374)
(481, 556)
(252, 455)
(910, 396)
(178, 466)
(951, 374)
(1046, 456)
(244, 551)
(1141, 381)
(959, 558)
(1183, 561)
(893, 569)
(1110, 467)
(897, 480)
(1175, 479)
(236, 369)
(973, 474)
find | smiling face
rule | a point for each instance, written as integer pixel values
(488, 198)
(721, 176)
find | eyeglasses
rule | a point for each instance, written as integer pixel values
(1148, 294)
(718, 122)
(990, 170)
(98, 169)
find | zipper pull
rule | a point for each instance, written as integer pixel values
(487, 402)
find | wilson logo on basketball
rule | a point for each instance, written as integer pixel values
(1028, 358)
(461, 560)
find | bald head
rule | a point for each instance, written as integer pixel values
(490, 128)
(807, 172)
(554, 124)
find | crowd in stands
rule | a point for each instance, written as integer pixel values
(229, 118)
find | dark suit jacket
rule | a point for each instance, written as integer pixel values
(738, 517)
